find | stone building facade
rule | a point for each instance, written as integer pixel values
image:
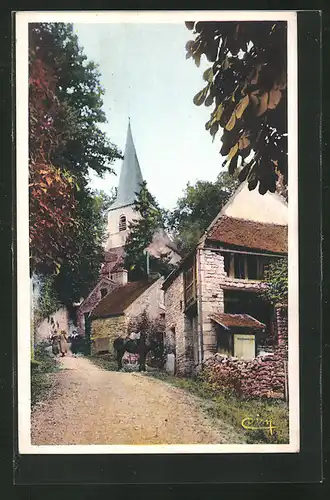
(111, 316)
(212, 299)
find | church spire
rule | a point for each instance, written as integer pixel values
(130, 178)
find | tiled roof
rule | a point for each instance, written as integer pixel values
(230, 321)
(113, 260)
(117, 301)
(250, 234)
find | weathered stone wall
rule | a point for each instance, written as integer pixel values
(175, 319)
(263, 376)
(211, 274)
(151, 301)
(281, 313)
(91, 301)
(105, 330)
(59, 321)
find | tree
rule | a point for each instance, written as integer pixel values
(276, 282)
(246, 85)
(81, 270)
(78, 88)
(196, 209)
(51, 190)
(104, 201)
(66, 219)
(141, 231)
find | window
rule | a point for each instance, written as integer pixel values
(189, 277)
(246, 266)
(252, 267)
(227, 259)
(239, 266)
(122, 223)
(104, 291)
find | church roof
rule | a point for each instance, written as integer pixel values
(130, 178)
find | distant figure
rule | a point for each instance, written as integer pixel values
(55, 339)
(75, 343)
(63, 343)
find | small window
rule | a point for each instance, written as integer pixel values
(104, 291)
(122, 223)
(252, 267)
(227, 258)
(239, 266)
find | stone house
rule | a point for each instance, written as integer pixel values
(212, 299)
(111, 316)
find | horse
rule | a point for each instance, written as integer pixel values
(138, 346)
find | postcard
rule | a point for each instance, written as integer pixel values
(157, 232)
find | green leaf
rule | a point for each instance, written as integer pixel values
(200, 96)
(208, 75)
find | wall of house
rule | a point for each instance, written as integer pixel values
(105, 330)
(211, 274)
(250, 205)
(151, 301)
(91, 301)
(61, 321)
(175, 319)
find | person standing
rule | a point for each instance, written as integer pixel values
(55, 343)
(63, 343)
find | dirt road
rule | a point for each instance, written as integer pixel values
(89, 405)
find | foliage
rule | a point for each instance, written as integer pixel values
(276, 281)
(197, 208)
(104, 201)
(246, 85)
(51, 190)
(80, 271)
(141, 231)
(48, 301)
(152, 330)
(43, 365)
(78, 88)
(65, 102)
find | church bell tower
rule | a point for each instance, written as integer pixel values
(122, 211)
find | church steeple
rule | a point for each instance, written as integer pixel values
(130, 178)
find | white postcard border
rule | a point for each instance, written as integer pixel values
(24, 295)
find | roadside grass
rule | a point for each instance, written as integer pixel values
(42, 365)
(104, 361)
(232, 409)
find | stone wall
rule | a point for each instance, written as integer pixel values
(175, 320)
(105, 330)
(263, 376)
(212, 273)
(59, 321)
(281, 313)
(151, 301)
(91, 301)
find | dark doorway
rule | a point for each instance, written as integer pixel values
(239, 302)
(88, 325)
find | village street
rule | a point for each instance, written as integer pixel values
(89, 405)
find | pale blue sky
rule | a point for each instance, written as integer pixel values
(147, 77)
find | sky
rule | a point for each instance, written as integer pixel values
(147, 77)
